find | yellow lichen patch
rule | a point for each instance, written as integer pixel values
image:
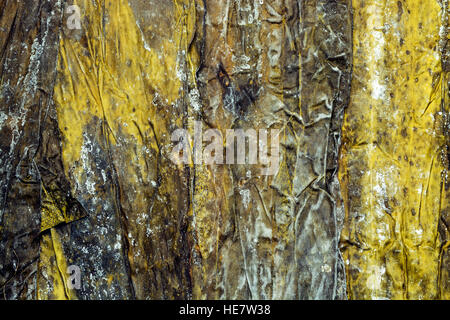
(109, 72)
(51, 215)
(54, 209)
(119, 93)
(52, 281)
(390, 167)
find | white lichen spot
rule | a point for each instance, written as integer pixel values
(245, 193)
(325, 268)
(375, 278)
(3, 117)
(194, 99)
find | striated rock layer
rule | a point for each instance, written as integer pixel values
(394, 160)
(358, 92)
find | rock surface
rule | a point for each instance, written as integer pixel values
(358, 92)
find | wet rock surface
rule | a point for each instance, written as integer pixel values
(356, 208)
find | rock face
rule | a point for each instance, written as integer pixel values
(394, 154)
(355, 92)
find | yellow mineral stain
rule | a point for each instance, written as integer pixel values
(390, 168)
(54, 209)
(116, 85)
(109, 72)
(52, 275)
(51, 214)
